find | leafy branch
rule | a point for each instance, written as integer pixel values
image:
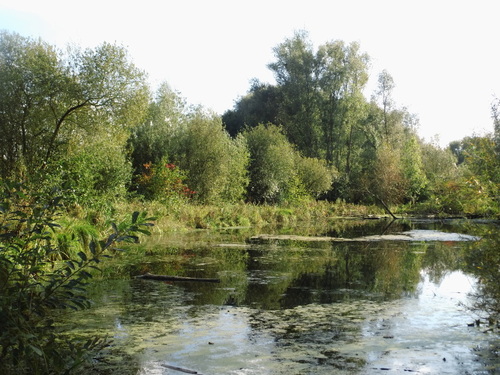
(36, 279)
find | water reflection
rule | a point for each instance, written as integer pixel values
(383, 307)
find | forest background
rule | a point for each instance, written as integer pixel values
(86, 121)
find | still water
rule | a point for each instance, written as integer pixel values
(296, 307)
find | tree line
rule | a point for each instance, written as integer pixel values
(87, 120)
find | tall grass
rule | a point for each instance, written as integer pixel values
(189, 216)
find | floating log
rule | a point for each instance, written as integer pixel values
(150, 276)
(176, 368)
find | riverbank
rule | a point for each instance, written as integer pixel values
(187, 216)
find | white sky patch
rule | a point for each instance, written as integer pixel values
(441, 54)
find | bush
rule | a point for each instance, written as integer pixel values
(315, 175)
(215, 163)
(272, 166)
(164, 182)
(34, 283)
(93, 174)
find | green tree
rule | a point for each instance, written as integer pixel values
(438, 163)
(413, 171)
(384, 95)
(214, 162)
(259, 106)
(315, 176)
(295, 73)
(47, 96)
(95, 175)
(341, 76)
(272, 165)
(151, 141)
(387, 184)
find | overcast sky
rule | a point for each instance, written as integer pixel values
(443, 55)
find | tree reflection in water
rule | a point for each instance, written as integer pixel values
(305, 308)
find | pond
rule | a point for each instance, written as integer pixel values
(288, 306)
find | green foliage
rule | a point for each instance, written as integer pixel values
(150, 141)
(481, 158)
(475, 191)
(314, 175)
(438, 164)
(48, 99)
(272, 165)
(95, 175)
(294, 70)
(387, 182)
(319, 95)
(164, 182)
(38, 278)
(259, 106)
(464, 195)
(342, 75)
(215, 163)
(413, 170)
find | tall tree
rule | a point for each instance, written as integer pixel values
(151, 141)
(295, 73)
(342, 75)
(259, 106)
(46, 95)
(384, 96)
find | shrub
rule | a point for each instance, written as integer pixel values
(215, 163)
(315, 175)
(164, 182)
(33, 284)
(272, 166)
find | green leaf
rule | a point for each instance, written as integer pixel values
(93, 247)
(82, 256)
(135, 215)
(37, 351)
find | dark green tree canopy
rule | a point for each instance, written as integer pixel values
(259, 106)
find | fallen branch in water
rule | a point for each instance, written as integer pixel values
(180, 369)
(150, 276)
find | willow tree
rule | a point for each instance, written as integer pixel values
(216, 164)
(322, 104)
(48, 98)
(272, 169)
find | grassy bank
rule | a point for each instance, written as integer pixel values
(189, 216)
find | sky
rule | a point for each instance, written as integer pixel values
(443, 55)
